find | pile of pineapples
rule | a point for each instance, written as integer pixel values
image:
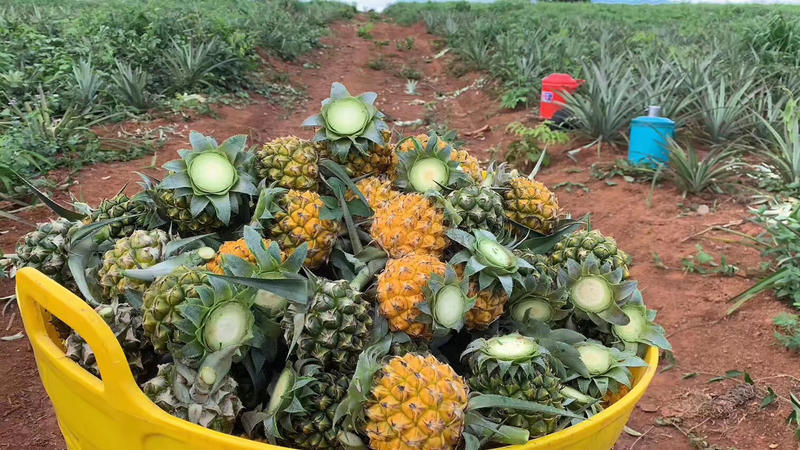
(351, 291)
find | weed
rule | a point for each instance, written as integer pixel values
(378, 63)
(410, 73)
(365, 31)
(788, 333)
(405, 45)
(532, 143)
(704, 264)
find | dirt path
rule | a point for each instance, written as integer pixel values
(691, 306)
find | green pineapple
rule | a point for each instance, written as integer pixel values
(515, 366)
(580, 244)
(290, 161)
(162, 302)
(46, 249)
(141, 250)
(478, 207)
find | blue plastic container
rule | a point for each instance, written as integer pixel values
(648, 144)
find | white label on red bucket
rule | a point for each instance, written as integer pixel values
(547, 97)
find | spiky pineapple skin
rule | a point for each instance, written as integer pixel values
(299, 222)
(479, 207)
(416, 402)
(139, 251)
(125, 322)
(291, 161)
(46, 249)
(337, 326)
(377, 190)
(400, 290)
(543, 268)
(379, 161)
(178, 390)
(489, 306)
(580, 244)
(543, 386)
(161, 301)
(117, 207)
(314, 428)
(235, 248)
(469, 164)
(176, 209)
(409, 224)
(532, 204)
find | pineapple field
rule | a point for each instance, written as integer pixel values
(355, 231)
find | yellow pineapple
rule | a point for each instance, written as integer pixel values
(377, 190)
(610, 398)
(299, 222)
(530, 203)
(489, 306)
(400, 290)
(290, 161)
(416, 402)
(469, 164)
(410, 223)
(237, 248)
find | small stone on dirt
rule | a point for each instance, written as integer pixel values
(703, 210)
(648, 407)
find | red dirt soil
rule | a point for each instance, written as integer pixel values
(691, 307)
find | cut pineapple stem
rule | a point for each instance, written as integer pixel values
(227, 325)
(592, 294)
(270, 302)
(208, 375)
(212, 173)
(282, 386)
(596, 358)
(633, 331)
(450, 302)
(206, 253)
(511, 347)
(495, 253)
(347, 116)
(428, 174)
(537, 309)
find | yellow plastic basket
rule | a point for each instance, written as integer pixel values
(115, 414)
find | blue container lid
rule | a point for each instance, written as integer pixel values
(653, 121)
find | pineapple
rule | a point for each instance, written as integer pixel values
(543, 270)
(515, 366)
(139, 251)
(401, 290)
(409, 224)
(125, 322)
(206, 396)
(291, 162)
(416, 402)
(302, 406)
(530, 203)
(163, 304)
(377, 190)
(607, 375)
(116, 207)
(299, 222)
(479, 207)
(469, 164)
(236, 248)
(580, 244)
(207, 186)
(489, 306)
(427, 167)
(336, 326)
(47, 249)
(379, 162)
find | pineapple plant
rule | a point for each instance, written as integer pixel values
(410, 224)
(515, 366)
(580, 244)
(208, 186)
(142, 249)
(289, 161)
(125, 322)
(206, 396)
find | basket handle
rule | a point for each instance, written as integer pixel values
(38, 294)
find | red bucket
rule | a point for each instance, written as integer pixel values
(552, 86)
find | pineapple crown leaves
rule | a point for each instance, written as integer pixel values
(597, 291)
(446, 302)
(488, 258)
(286, 399)
(221, 316)
(348, 122)
(545, 244)
(512, 355)
(538, 301)
(560, 342)
(608, 367)
(270, 272)
(641, 329)
(338, 207)
(212, 175)
(428, 168)
(267, 204)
